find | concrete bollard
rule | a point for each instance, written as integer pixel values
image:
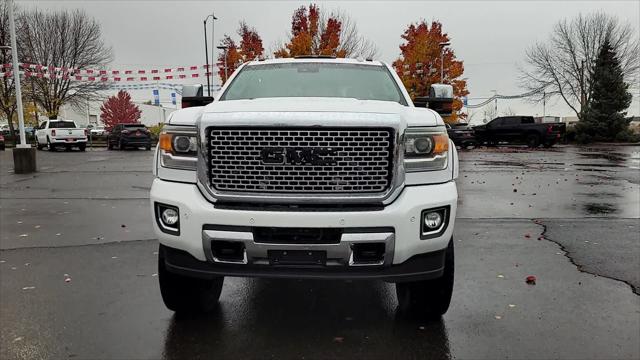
(24, 160)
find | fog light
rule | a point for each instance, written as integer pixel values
(170, 216)
(433, 220)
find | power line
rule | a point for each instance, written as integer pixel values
(518, 96)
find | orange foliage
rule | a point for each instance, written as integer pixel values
(419, 64)
(250, 48)
(306, 38)
(233, 58)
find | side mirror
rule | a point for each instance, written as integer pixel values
(192, 96)
(440, 99)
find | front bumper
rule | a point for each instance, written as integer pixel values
(397, 225)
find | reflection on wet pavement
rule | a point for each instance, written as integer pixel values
(304, 319)
(558, 182)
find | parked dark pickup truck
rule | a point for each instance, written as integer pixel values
(519, 129)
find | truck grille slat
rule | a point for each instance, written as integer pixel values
(300, 160)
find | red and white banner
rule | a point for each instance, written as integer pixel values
(104, 75)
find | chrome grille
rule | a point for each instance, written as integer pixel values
(300, 160)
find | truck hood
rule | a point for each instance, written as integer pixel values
(326, 109)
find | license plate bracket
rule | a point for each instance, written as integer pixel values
(297, 257)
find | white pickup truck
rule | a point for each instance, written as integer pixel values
(311, 168)
(60, 133)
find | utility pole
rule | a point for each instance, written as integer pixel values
(442, 46)
(544, 104)
(495, 96)
(583, 98)
(226, 51)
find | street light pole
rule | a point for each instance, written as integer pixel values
(16, 77)
(24, 156)
(206, 56)
(210, 69)
(442, 46)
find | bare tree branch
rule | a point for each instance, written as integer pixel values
(64, 39)
(563, 65)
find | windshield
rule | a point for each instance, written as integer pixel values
(358, 81)
(62, 125)
(134, 126)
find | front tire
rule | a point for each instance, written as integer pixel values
(533, 140)
(82, 147)
(428, 299)
(183, 294)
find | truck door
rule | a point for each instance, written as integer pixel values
(511, 130)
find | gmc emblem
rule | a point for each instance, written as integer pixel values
(298, 156)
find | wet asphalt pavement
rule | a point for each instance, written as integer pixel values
(573, 221)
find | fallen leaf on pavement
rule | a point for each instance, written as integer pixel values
(28, 288)
(531, 280)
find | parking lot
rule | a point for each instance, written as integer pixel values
(78, 269)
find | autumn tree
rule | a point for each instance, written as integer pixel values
(119, 109)
(314, 32)
(420, 61)
(250, 48)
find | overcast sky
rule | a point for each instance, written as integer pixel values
(489, 36)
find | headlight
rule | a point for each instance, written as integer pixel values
(425, 149)
(179, 147)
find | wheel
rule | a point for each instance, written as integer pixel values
(109, 144)
(82, 147)
(38, 145)
(148, 147)
(428, 299)
(120, 145)
(533, 140)
(185, 294)
(547, 144)
(50, 146)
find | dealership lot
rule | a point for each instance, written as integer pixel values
(78, 269)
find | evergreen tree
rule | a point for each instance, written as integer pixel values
(604, 117)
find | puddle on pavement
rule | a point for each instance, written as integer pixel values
(600, 165)
(599, 209)
(605, 155)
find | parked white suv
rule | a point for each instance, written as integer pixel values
(310, 168)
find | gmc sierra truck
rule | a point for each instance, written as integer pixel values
(309, 168)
